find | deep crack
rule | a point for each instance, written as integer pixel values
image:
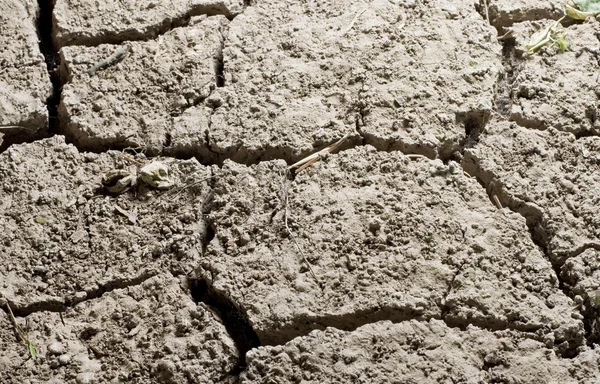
(52, 57)
(235, 321)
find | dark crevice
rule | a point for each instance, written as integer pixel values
(346, 322)
(28, 131)
(474, 123)
(234, 320)
(168, 139)
(582, 134)
(62, 305)
(503, 98)
(219, 65)
(52, 58)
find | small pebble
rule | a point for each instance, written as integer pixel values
(64, 359)
(56, 348)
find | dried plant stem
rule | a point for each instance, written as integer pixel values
(310, 160)
(20, 332)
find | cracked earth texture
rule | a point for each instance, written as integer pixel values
(453, 238)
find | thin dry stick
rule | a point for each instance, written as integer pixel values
(487, 12)
(349, 27)
(310, 160)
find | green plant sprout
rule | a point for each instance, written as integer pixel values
(554, 34)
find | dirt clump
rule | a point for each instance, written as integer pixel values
(400, 76)
(558, 90)
(416, 352)
(151, 98)
(150, 332)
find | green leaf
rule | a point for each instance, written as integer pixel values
(576, 14)
(32, 350)
(592, 6)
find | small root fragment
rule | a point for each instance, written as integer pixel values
(120, 54)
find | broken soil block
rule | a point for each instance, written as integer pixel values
(403, 75)
(24, 81)
(371, 235)
(559, 90)
(90, 22)
(505, 13)
(549, 176)
(417, 352)
(139, 98)
(150, 332)
(65, 238)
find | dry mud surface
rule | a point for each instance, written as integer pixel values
(153, 231)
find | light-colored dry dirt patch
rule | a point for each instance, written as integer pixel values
(505, 13)
(550, 176)
(559, 90)
(407, 76)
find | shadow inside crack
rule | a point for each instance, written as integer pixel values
(236, 323)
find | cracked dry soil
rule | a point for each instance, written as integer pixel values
(455, 238)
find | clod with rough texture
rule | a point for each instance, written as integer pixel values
(387, 238)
